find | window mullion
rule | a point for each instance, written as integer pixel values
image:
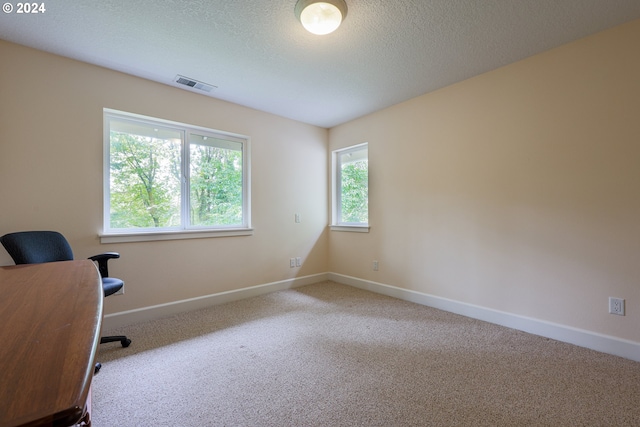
(338, 190)
(185, 197)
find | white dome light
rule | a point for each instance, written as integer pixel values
(321, 17)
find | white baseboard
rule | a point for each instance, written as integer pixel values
(595, 341)
(580, 337)
(129, 317)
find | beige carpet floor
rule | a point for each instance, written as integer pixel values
(332, 355)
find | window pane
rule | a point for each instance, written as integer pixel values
(144, 176)
(165, 178)
(215, 170)
(354, 186)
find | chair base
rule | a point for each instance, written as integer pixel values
(123, 340)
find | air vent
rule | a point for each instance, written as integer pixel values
(194, 84)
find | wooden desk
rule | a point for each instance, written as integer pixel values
(50, 319)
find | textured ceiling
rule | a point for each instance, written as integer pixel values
(258, 54)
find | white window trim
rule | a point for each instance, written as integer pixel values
(173, 235)
(335, 194)
(351, 228)
(144, 235)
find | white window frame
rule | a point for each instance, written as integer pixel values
(109, 235)
(336, 186)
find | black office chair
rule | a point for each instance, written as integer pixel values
(34, 247)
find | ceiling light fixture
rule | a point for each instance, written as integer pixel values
(321, 17)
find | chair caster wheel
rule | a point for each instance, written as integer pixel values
(97, 368)
(125, 343)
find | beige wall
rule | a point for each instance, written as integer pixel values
(518, 190)
(51, 178)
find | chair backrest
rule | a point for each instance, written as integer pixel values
(34, 247)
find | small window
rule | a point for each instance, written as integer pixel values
(351, 189)
(174, 180)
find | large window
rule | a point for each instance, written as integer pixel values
(351, 188)
(170, 180)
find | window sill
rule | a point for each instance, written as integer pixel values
(173, 235)
(350, 228)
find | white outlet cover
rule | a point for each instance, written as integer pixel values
(616, 306)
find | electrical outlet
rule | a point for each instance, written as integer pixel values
(298, 262)
(375, 265)
(297, 218)
(616, 306)
(292, 262)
